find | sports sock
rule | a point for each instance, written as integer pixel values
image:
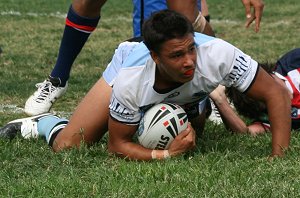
(49, 126)
(76, 33)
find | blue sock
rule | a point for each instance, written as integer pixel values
(49, 125)
(77, 30)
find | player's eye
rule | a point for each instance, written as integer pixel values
(176, 55)
(192, 48)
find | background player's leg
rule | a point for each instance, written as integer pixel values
(83, 17)
(190, 9)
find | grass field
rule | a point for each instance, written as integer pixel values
(223, 164)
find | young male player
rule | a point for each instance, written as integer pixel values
(172, 64)
(82, 19)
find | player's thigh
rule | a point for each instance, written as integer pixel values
(89, 122)
(88, 8)
(188, 8)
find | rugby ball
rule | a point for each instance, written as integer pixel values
(160, 125)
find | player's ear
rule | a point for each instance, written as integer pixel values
(155, 57)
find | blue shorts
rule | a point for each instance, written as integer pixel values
(142, 10)
(288, 62)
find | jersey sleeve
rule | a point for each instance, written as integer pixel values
(124, 103)
(120, 55)
(232, 66)
(121, 110)
(123, 113)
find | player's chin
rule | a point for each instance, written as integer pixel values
(186, 78)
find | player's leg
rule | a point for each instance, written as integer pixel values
(190, 9)
(204, 10)
(142, 10)
(83, 17)
(89, 122)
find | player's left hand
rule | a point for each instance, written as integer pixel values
(258, 6)
(185, 141)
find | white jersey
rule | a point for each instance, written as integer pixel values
(132, 74)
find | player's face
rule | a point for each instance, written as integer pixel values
(176, 61)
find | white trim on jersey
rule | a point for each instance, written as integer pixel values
(294, 76)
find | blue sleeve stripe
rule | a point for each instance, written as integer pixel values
(202, 38)
(138, 56)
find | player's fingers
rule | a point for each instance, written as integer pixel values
(247, 6)
(258, 15)
(249, 21)
(185, 132)
(188, 134)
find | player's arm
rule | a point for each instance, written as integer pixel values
(258, 6)
(278, 103)
(229, 117)
(121, 143)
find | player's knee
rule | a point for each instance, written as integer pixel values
(65, 140)
(88, 8)
(70, 138)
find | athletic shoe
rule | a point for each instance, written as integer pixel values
(215, 115)
(26, 126)
(42, 99)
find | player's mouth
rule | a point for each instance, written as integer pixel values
(189, 72)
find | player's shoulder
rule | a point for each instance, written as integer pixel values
(137, 53)
(202, 38)
(211, 45)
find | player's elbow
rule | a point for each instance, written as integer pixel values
(281, 96)
(286, 94)
(111, 147)
(114, 149)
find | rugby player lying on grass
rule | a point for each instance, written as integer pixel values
(172, 64)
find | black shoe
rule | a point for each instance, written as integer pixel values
(10, 130)
(27, 127)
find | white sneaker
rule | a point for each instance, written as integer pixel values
(215, 114)
(42, 99)
(27, 127)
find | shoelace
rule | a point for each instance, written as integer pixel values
(44, 89)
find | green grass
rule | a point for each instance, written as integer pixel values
(222, 165)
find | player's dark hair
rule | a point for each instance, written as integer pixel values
(163, 26)
(245, 105)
